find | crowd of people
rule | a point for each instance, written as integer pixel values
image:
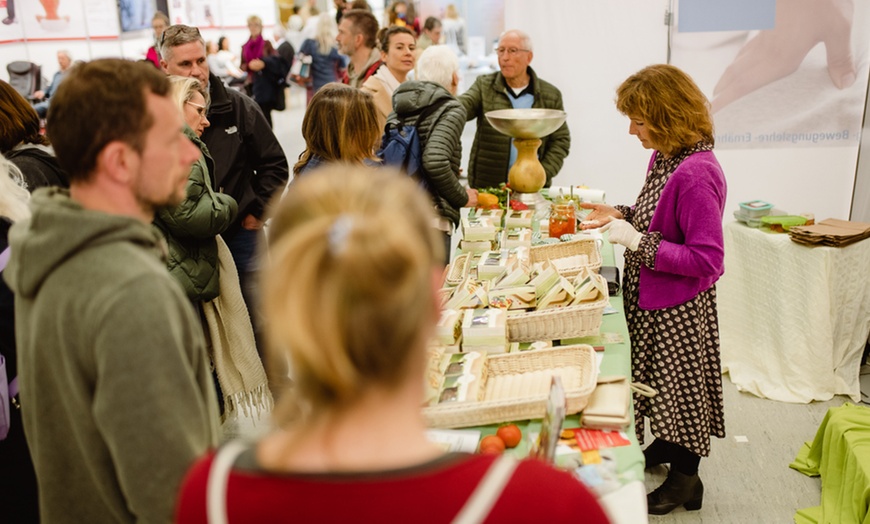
(143, 302)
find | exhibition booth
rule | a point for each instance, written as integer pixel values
(525, 301)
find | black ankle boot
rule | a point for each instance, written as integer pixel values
(677, 490)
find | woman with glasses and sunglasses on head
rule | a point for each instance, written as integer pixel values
(515, 86)
(190, 228)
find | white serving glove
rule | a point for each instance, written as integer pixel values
(621, 232)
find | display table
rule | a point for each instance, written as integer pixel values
(794, 320)
(629, 459)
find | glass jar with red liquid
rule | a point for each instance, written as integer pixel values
(563, 220)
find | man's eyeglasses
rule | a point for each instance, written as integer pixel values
(510, 51)
(200, 110)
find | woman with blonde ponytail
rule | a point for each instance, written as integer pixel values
(350, 298)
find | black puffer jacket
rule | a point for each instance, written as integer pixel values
(250, 165)
(440, 136)
(38, 165)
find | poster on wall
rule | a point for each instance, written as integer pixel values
(11, 29)
(236, 13)
(100, 18)
(50, 19)
(135, 15)
(779, 74)
(198, 13)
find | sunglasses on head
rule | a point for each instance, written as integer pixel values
(176, 29)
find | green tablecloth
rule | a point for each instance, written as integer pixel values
(840, 453)
(616, 361)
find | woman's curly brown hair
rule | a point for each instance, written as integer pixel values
(669, 103)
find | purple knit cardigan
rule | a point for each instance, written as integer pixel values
(689, 213)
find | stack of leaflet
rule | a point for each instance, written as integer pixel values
(830, 232)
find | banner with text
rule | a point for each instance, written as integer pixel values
(779, 74)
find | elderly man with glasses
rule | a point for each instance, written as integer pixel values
(515, 86)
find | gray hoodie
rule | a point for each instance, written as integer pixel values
(116, 393)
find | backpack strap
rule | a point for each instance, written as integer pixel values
(371, 70)
(487, 492)
(218, 479)
(425, 113)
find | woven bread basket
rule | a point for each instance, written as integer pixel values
(557, 323)
(517, 386)
(583, 246)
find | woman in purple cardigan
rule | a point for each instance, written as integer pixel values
(674, 256)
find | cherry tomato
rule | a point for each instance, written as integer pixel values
(510, 434)
(492, 445)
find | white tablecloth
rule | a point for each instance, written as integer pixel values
(794, 320)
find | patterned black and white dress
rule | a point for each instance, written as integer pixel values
(675, 350)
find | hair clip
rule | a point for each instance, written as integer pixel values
(338, 233)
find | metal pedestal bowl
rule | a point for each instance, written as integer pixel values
(526, 123)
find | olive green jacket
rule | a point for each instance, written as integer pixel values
(190, 229)
(490, 153)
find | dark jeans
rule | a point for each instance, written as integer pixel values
(244, 247)
(267, 111)
(19, 501)
(41, 108)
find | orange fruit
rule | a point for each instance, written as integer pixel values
(491, 445)
(487, 201)
(510, 434)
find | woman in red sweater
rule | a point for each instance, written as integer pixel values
(350, 298)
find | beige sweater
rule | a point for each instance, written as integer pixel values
(381, 85)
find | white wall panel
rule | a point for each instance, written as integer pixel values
(587, 48)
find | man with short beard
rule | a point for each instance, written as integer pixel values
(116, 394)
(357, 35)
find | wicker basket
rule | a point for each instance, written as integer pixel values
(457, 270)
(531, 370)
(583, 246)
(557, 323)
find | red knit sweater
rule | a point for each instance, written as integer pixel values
(432, 492)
